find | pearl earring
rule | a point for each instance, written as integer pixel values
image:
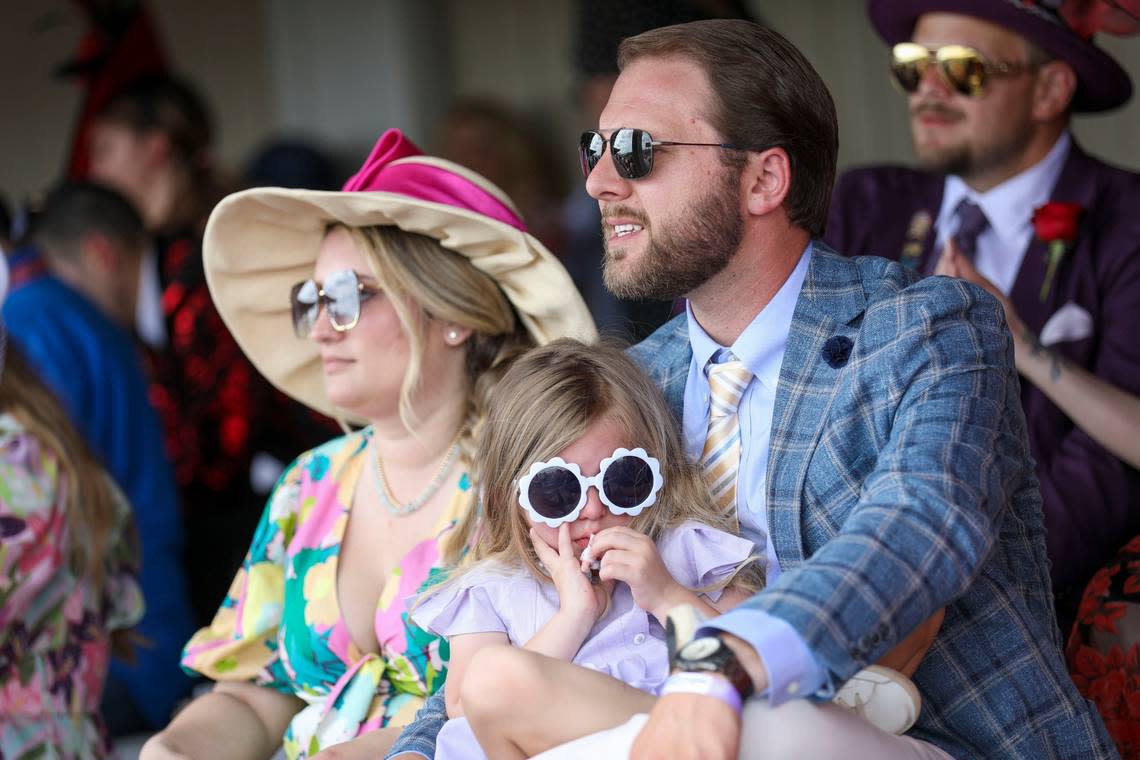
(453, 335)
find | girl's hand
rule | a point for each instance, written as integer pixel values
(632, 557)
(577, 597)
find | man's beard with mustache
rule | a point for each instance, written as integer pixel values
(683, 256)
(966, 160)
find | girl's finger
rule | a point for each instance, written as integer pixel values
(618, 537)
(565, 548)
(545, 554)
(615, 567)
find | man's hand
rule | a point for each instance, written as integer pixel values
(689, 726)
(697, 726)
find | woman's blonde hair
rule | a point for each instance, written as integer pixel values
(545, 402)
(426, 281)
(90, 505)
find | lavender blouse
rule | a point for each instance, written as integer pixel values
(627, 642)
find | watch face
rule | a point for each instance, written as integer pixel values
(698, 649)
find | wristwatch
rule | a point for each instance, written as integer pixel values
(709, 654)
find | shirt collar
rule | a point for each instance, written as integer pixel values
(1009, 206)
(761, 346)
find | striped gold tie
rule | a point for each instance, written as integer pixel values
(721, 458)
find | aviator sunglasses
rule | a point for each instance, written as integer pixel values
(342, 294)
(632, 150)
(554, 492)
(963, 68)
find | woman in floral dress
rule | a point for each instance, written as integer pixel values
(68, 563)
(409, 294)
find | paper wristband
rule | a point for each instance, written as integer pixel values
(706, 684)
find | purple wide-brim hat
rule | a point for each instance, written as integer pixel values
(1102, 84)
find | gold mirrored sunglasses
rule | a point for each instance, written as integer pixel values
(963, 68)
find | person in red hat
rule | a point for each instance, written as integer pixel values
(1006, 198)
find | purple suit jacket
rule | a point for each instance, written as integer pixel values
(1091, 498)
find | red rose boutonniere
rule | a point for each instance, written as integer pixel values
(1056, 224)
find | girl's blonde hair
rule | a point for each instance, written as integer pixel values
(544, 403)
(426, 281)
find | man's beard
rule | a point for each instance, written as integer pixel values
(683, 256)
(968, 161)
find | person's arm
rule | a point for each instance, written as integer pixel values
(1087, 491)
(236, 721)
(1108, 414)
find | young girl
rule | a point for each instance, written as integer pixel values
(580, 450)
(595, 526)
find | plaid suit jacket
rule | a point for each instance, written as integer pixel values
(899, 482)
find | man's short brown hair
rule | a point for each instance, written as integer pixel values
(766, 94)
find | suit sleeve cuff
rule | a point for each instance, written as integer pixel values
(793, 671)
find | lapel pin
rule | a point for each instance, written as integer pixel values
(837, 350)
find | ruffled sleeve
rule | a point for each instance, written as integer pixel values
(700, 556)
(241, 642)
(471, 603)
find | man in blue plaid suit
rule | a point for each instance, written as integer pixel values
(883, 458)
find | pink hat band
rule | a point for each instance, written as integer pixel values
(423, 181)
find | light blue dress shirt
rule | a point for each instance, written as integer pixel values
(792, 669)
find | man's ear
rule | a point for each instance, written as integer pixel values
(99, 253)
(1054, 90)
(767, 180)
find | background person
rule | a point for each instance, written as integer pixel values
(69, 565)
(1051, 227)
(71, 311)
(411, 291)
(152, 140)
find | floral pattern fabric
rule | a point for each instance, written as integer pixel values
(281, 626)
(54, 628)
(1104, 648)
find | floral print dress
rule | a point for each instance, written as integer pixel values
(281, 626)
(1104, 658)
(54, 642)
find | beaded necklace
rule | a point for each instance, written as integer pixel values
(386, 498)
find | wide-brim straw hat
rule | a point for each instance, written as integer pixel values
(1102, 83)
(260, 242)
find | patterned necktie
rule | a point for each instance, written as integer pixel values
(721, 458)
(972, 222)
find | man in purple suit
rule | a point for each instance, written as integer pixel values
(1007, 199)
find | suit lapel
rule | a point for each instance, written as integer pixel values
(1076, 184)
(831, 300)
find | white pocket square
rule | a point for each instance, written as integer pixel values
(1070, 322)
